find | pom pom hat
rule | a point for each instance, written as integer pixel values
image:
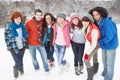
(73, 16)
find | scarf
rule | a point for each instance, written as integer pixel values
(15, 26)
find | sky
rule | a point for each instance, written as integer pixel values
(6, 65)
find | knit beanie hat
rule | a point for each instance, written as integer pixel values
(73, 16)
(89, 16)
(61, 15)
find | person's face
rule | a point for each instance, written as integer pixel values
(17, 20)
(75, 21)
(85, 23)
(48, 19)
(38, 16)
(60, 20)
(96, 15)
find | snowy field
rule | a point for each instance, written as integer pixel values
(6, 65)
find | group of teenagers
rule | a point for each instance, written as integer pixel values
(50, 34)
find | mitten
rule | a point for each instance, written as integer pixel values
(86, 56)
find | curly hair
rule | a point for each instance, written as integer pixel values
(16, 14)
(101, 10)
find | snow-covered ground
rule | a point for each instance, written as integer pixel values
(6, 66)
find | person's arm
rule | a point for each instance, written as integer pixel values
(94, 41)
(27, 27)
(7, 38)
(109, 32)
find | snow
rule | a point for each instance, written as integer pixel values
(6, 65)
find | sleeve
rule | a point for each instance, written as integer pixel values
(27, 27)
(94, 41)
(7, 38)
(110, 31)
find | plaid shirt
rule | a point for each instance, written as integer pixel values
(11, 41)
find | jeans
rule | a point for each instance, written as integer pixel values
(78, 50)
(108, 59)
(43, 55)
(60, 52)
(49, 51)
(18, 58)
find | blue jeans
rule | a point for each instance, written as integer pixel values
(50, 51)
(18, 58)
(108, 58)
(60, 52)
(43, 55)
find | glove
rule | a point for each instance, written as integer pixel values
(86, 56)
(12, 51)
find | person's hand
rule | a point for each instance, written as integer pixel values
(12, 51)
(86, 56)
(24, 48)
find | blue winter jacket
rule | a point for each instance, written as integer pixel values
(11, 41)
(109, 36)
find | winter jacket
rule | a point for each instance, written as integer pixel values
(45, 34)
(11, 40)
(66, 32)
(93, 35)
(32, 30)
(109, 36)
(88, 36)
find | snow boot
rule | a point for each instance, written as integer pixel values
(81, 69)
(61, 69)
(21, 70)
(15, 72)
(67, 66)
(95, 67)
(90, 73)
(77, 70)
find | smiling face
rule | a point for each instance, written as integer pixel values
(60, 20)
(96, 15)
(38, 16)
(17, 20)
(75, 21)
(85, 23)
(48, 19)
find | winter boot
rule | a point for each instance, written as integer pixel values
(15, 72)
(61, 69)
(77, 70)
(67, 66)
(90, 73)
(95, 67)
(81, 69)
(21, 70)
